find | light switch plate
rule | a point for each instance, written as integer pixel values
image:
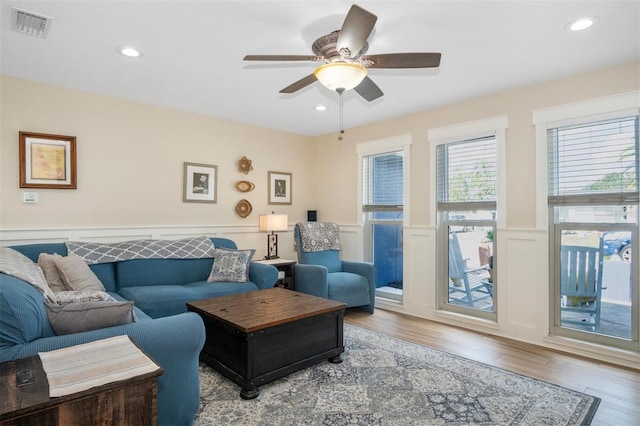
(30, 197)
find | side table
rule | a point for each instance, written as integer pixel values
(286, 272)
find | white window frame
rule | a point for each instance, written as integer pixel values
(385, 146)
(610, 107)
(489, 127)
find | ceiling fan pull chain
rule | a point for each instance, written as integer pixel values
(340, 91)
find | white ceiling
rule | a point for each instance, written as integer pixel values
(193, 50)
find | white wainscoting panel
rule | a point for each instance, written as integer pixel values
(523, 283)
(419, 264)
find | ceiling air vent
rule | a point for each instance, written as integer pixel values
(30, 23)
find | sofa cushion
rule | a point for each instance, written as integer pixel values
(47, 262)
(231, 265)
(22, 315)
(205, 290)
(152, 272)
(86, 316)
(160, 301)
(329, 259)
(77, 275)
(352, 289)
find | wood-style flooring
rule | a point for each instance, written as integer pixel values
(618, 387)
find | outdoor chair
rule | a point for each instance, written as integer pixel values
(470, 284)
(320, 272)
(581, 285)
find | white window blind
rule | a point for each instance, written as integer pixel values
(383, 181)
(594, 161)
(467, 173)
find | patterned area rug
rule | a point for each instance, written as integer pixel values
(386, 381)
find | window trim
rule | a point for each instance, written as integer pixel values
(489, 127)
(610, 107)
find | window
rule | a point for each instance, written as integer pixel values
(467, 208)
(383, 184)
(593, 209)
(467, 190)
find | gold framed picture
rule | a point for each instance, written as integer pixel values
(47, 161)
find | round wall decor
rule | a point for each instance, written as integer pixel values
(243, 208)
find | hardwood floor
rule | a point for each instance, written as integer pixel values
(618, 387)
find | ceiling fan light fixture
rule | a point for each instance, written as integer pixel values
(340, 75)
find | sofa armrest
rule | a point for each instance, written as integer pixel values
(263, 275)
(367, 270)
(174, 343)
(312, 279)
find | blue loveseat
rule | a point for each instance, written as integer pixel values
(165, 330)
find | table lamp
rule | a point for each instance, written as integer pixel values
(270, 223)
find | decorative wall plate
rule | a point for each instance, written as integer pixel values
(244, 165)
(245, 186)
(243, 208)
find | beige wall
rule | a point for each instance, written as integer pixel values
(520, 146)
(130, 162)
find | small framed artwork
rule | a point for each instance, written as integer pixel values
(200, 183)
(47, 161)
(280, 188)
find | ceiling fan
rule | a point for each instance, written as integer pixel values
(346, 63)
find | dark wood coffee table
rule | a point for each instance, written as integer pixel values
(259, 336)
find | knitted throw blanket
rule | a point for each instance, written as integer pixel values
(189, 248)
(319, 236)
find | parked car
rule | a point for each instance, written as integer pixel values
(618, 243)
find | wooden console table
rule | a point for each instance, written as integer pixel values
(24, 399)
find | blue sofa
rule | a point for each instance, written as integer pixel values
(159, 288)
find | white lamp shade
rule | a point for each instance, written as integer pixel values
(274, 222)
(336, 75)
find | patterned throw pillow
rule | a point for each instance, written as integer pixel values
(231, 265)
(66, 297)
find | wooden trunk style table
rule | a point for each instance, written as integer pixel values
(24, 399)
(259, 336)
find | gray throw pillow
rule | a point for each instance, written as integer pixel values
(48, 264)
(77, 275)
(79, 317)
(231, 265)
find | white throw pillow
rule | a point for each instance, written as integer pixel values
(77, 275)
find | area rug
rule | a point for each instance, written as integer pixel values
(387, 381)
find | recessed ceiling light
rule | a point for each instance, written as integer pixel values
(130, 52)
(581, 24)
(320, 108)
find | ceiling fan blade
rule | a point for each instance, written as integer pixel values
(355, 30)
(303, 82)
(282, 58)
(402, 60)
(368, 90)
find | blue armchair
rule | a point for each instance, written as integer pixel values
(320, 272)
